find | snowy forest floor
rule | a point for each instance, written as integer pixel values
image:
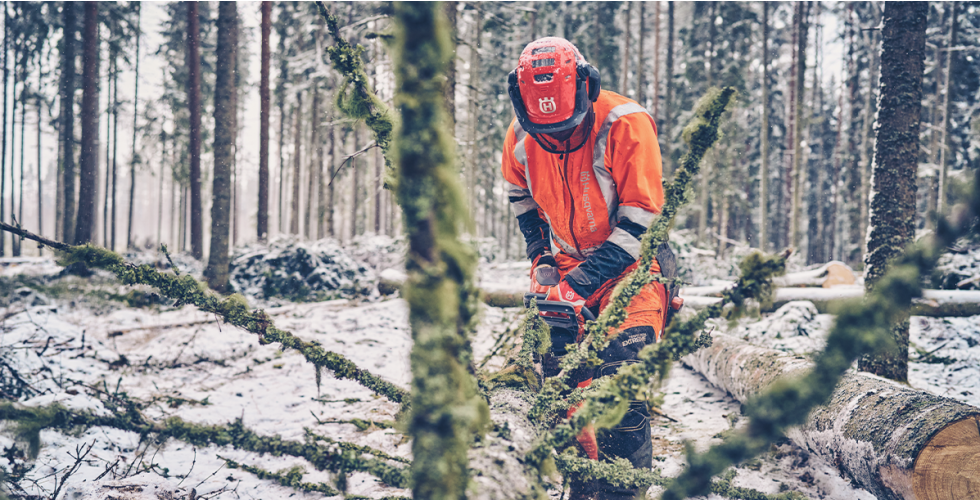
(68, 338)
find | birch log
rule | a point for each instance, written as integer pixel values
(890, 439)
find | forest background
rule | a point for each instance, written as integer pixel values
(793, 168)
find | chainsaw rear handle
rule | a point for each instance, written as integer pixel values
(556, 306)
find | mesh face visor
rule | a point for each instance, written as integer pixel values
(569, 140)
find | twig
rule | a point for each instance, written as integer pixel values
(23, 233)
(348, 160)
(80, 453)
(193, 462)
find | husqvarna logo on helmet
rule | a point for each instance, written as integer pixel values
(547, 105)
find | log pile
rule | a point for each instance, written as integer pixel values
(894, 441)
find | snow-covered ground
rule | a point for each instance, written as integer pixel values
(74, 339)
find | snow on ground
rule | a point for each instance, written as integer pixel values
(67, 339)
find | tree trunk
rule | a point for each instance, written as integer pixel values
(115, 146)
(706, 169)
(282, 157)
(315, 150)
(194, 106)
(869, 120)
(894, 441)
(40, 193)
(764, 142)
(355, 188)
(132, 171)
(89, 156)
(262, 221)
(224, 136)
(23, 153)
(66, 129)
(624, 86)
(297, 165)
(796, 172)
(896, 161)
(331, 229)
(3, 154)
(669, 95)
(945, 147)
(450, 88)
(474, 106)
(640, 68)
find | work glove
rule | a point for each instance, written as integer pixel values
(544, 273)
(565, 293)
(586, 438)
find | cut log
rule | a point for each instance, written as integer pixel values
(831, 274)
(936, 303)
(890, 439)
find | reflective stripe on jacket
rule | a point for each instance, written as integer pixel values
(601, 197)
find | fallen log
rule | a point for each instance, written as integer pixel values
(936, 303)
(831, 274)
(894, 441)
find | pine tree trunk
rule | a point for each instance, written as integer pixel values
(322, 179)
(946, 147)
(23, 151)
(669, 95)
(89, 155)
(282, 157)
(378, 191)
(450, 89)
(108, 153)
(224, 137)
(262, 221)
(315, 150)
(194, 106)
(640, 58)
(3, 154)
(160, 182)
(115, 148)
(331, 204)
(896, 161)
(474, 100)
(130, 243)
(894, 441)
(66, 129)
(706, 169)
(764, 142)
(40, 193)
(354, 174)
(867, 146)
(297, 165)
(796, 177)
(624, 85)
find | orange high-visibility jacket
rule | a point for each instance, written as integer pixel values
(597, 201)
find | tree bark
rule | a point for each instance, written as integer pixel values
(115, 147)
(40, 193)
(450, 89)
(89, 155)
(896, 161)
(892, 440)
(297, 165)
(331, 229)
(23, 153)
(624, 85)
(315, 150)
(764, 142)
(945, 147)
(669, 95)
(869, 120)
(640, 71)
(224, 136)
(262, 221)
(194, 106)
(66, 99)
(796, 176)
(3, 154)
(474, 100)
(132, 171)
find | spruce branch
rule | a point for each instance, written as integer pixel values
(355, 97)
(232, 309)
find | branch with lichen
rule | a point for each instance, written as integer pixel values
(232, 309)
(355, 97)
(323, 455)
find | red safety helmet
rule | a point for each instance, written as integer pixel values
(552, 91)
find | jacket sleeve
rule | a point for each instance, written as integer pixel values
(537, 234)
(633, 159)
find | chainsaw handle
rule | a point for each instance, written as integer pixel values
(556, 306)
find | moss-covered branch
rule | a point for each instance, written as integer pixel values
(331, 457)
(447, 410)
(233, 310)
(355, 98)
(293, 478)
